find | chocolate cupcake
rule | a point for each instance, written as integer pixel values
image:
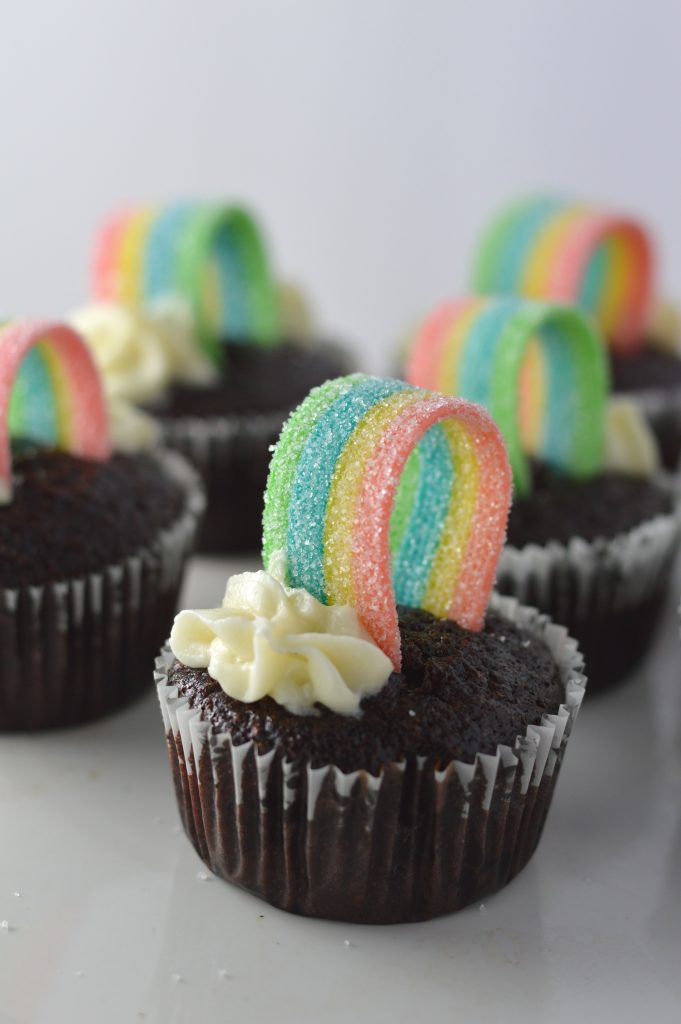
(547, 248)
(92, 543)
(203, 338)
(595, 525)
(344, 756)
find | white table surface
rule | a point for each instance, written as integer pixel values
(108, 915)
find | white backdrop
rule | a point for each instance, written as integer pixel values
(374, 136)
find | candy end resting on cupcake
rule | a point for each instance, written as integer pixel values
(538, 367)
(212, 255)
(48, 379)
(546, 248)
(348, 535)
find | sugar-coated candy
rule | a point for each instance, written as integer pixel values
(50, 391)
(350, 534)
(212, 255)
(538, 367)
(546, 248)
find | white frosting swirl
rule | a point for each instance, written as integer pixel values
(664, 326)
(173, 322)
(131, 430)
(294, 312)
(271, 640)
(127, 350)
(630, 445)
(140, 353)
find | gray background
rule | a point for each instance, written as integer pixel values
(375, 136)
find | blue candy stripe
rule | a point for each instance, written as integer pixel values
(314, 474)
(560, 410)
(32, 412)
(482, 341)
(413, 562)
(519, 239)
(160, 250)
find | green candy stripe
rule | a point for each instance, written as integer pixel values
(228, 236)
(574, 402)
(286, 457)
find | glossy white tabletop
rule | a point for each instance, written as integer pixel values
(108, 917)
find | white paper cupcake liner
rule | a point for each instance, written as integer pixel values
(607, 592)
(76, 649)
(407, 844)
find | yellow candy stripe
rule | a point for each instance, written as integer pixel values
(616, 282)
(448, 370)
(62, 395)
(548, 242)
(533, 397)
(131, 256)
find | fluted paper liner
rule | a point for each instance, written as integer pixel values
(407, 844)
(607, 592)
(79, 648)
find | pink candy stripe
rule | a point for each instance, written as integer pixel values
(488, 530)
(428, 347)
(105, 260)
(571, 263)
(371, 563)
(87, 423)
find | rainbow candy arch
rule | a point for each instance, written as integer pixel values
(331, 500)
(538, 367)
(212, 255)
(50, 390)
(545, 248)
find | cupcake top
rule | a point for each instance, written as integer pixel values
(602, 262)
(379, 494)
(211, 255)
(554, 249)
(189, 319)
(367, 638)
(583, 465)
(69, 505)
(458, 693)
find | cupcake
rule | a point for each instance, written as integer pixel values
(92, 542)
(190, 323)
(359, 733)
(595, 524)
(546, 248)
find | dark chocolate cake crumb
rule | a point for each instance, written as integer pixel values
(71, 516)
(458, 693)
(559, 508)
(257, 380)
(648, 367)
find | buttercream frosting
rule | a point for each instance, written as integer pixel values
(630, 445)
(131, 430)
(664, 326)
(271, 640)
(294, 312)
(138, 352)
